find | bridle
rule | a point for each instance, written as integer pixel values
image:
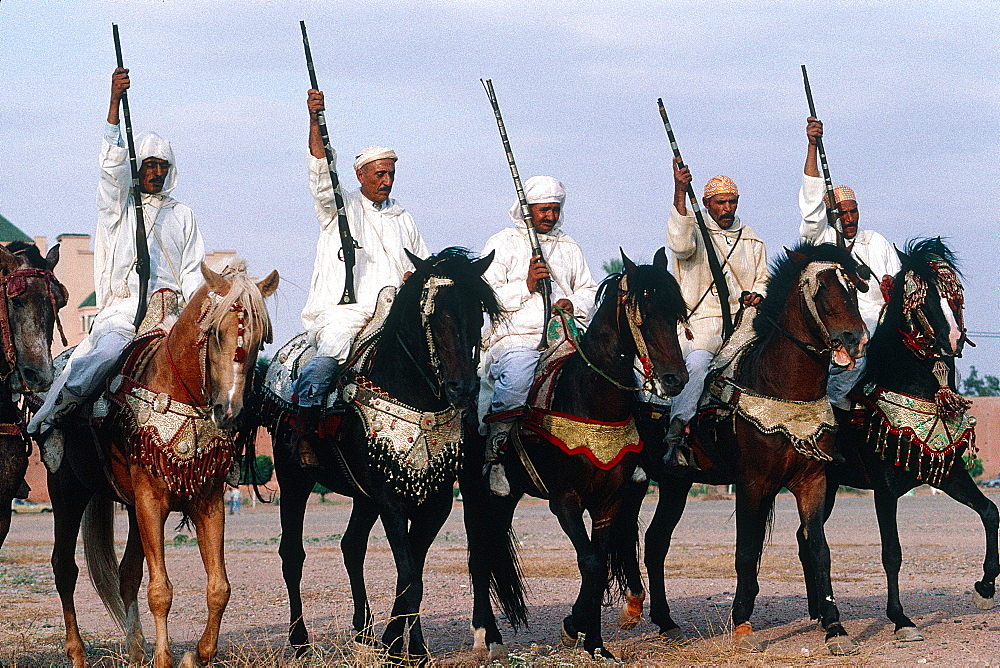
(428, 295)
(918, 333)
(12, 285)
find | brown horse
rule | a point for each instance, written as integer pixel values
(30, 298)
(166, 445)
(637, 316)
(810, 315)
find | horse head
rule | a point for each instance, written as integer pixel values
(234, 326)
(823, 282)
(650, 306)
(32, 297)
(928, 297)
(451, 296)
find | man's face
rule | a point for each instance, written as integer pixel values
(376, 179)
(545, 216)
(722, 208)
(848, 214)
(152, 174)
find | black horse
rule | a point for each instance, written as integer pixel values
(30, 298)
(424, 362)
(922, 328)
(638, 315)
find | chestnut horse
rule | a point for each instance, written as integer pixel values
(30, 298)
(639, 311)
(810, 315)
(193, 377)
(922, 329)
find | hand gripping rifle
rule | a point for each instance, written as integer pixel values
(831, 213)
(347, 242)
(141, 248)
(544, 285)
(721, 286)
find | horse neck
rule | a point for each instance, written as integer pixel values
(177, 367)
(893, 366)
(394, 371)
(779, 368)
(584, 392)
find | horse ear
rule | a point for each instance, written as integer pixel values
(269, 284)
(418, 264)
(627, 264)
(214, 281)
(903, 257)
(795, 256)
(8, 262)
(660, 258)
(482, 264)
(52, 258)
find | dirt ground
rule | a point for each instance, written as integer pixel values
(942, 549)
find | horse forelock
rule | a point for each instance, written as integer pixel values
(243, 290)
(28, 252)
(649, 286)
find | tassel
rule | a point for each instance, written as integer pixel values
(688, 334)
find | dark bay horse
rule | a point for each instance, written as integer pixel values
(639, 311)
(421, 368)
(30, 299)
(810, 315)
(912, 357)
(165, 445)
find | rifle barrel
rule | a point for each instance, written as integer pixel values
(831, 214)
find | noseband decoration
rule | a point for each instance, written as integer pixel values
(809, 284)
(14, 284)
(918, 334)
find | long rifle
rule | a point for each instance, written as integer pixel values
(721, 286)
(141, 248)
(544, 285)
(831, 213)
(347, 242)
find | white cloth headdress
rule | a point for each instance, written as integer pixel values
(373, 153)
(540, 190)
(152, 145)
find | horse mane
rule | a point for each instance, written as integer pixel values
(453, 262)
(660, 288)
(921, 252)
(784, 278)
(29, 251)
(242, 288)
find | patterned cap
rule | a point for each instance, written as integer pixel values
(843, 193)
(718, 185)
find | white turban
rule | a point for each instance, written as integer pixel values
(152, 145)
(540, 190)
(373, 153)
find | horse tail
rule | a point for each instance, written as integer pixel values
(506, 577)
(98, 528)
(768, 529)
(623, 553)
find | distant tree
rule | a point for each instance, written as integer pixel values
(974, 386)
(613, 266)
(322, 491)
(260, 473)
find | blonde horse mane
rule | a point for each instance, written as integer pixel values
(243, 289)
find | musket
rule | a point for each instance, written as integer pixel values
(718, 277)
(544, 285)
(831, 214)
(347, 242)
(141, 248)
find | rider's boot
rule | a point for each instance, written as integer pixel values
(678, 453)
(306, 423)
(498, 435)
(843, 417)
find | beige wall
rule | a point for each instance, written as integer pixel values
(987, 413)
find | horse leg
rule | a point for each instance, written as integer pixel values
(151, 511)
(963, 489)
(12, 471)
(295, 489)
(69, 500)
(425, 523)
(810, 497)
(669, 508)
(628, 531)
(129, 581)
(805, 556)
(886, 501)
(585, 617)
(210, 527)
(754, 506)
(354, 546)
(409, 587)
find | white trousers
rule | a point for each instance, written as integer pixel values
(685, 404)
(507, 381)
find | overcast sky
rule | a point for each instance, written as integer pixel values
(908, 92)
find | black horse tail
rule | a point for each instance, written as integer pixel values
(507, 579)
(623, 548)
(98, 529)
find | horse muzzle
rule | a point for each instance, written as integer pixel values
(670, 384)
(847, 347)
(35, 379)
(225, 414)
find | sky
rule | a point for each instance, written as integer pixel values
(909, 94)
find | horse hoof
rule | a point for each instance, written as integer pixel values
(602, 654)
(745, 639)
(841, 645)
(570, 640)
(480, 650)
(631, 612)
(498, 652)
(188, 661)
(674, 635)
(981, 602)
(908, 634)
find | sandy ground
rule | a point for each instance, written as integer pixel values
(942, 543)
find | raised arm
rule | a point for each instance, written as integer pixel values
(316, 105)
(812, 208)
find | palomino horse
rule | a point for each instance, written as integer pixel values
(910, 428)
(397, 447)
(165, 445)
(637, 316)
(30, 298)
(809, 315)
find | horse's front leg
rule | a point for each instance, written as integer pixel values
(151, 511)
(210, 524)
(673, 492)
(960, 486)
(627, 534)
(409, 586)
(354, 545)
(69, 500)
(129, 581)
(892, 558)
(295, 488)
(806, 557)
(753, 506)
(425, 523)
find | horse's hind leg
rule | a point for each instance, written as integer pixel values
(627, 532)
(669, 508)
(210, 524)
(151, 511)
(69, 500)
(963, 489)
(295, 488)
(354, 546)
(129, 581)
